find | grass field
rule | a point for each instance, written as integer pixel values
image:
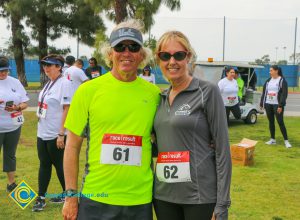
(269, 190)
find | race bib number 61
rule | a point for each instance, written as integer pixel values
(173, 167)
(121, 149)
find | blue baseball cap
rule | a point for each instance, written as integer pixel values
(50, 60)
(4, 63)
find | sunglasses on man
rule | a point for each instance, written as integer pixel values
(179, 55)
(134, 48)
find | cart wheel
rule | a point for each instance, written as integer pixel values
(251, 117)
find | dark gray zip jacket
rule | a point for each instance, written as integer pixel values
(194, 121)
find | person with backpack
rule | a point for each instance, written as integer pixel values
(273, 100)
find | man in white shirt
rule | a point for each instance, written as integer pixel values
(70, 60)
(76, 75)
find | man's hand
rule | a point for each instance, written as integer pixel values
(70, 209)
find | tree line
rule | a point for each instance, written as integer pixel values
(83, 19)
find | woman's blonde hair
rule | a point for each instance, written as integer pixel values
(183, 40)
(106, 49)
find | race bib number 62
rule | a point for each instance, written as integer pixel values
(121, 149)
(173, 167)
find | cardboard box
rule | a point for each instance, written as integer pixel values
(243, 152)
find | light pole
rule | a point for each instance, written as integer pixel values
(284, 48)
(276, 48)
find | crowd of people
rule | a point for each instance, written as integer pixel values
(122, 114)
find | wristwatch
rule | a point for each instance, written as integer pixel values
(71, 193)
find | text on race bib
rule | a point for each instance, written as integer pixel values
(173, 167)
(121, 149)
(17, 118)
(95, 74)
(42, 110)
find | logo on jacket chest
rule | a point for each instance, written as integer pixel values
(184, 109)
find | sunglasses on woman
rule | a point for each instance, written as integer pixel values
(134, 48)
(47, 64)
(179, 55)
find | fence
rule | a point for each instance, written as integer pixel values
(290, 72)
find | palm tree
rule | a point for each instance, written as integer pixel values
(118, 10)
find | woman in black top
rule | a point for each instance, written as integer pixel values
(273, 100)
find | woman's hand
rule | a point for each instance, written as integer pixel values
(11, 108)
(60, 142)
(279, 110)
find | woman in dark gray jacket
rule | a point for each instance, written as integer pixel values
(273, 100)
(192, 175)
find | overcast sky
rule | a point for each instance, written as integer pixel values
(253, 28)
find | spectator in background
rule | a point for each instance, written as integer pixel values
(147, 75)
(53, 107)
(13, 98)
(229, 91)
(70, 60)
(273, 100)
(93, 71)
(76, 75)
(240, 83)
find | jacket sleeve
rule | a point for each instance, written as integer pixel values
(283, 93)
(216, 117)
(262, 99)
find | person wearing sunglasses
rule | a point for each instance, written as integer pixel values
(13, 100)
(53, 105)
(118, 110)
(193, 169)
(229, 90)
(147, 75)
(94, 70)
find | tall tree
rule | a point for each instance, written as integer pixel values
(13, 11)
(49, 19)
(118, 10)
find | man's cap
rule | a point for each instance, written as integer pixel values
(122, 34)
(4, 63)
(51, 60)
(70, 60)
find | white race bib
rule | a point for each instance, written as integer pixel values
(121, 149)
(231, 100)
(95, 74)
(17, 118)
(41, 110)
(173, 167)
(272, 97)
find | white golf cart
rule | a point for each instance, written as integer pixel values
(214, 71)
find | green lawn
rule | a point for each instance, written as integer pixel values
(270, 190)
